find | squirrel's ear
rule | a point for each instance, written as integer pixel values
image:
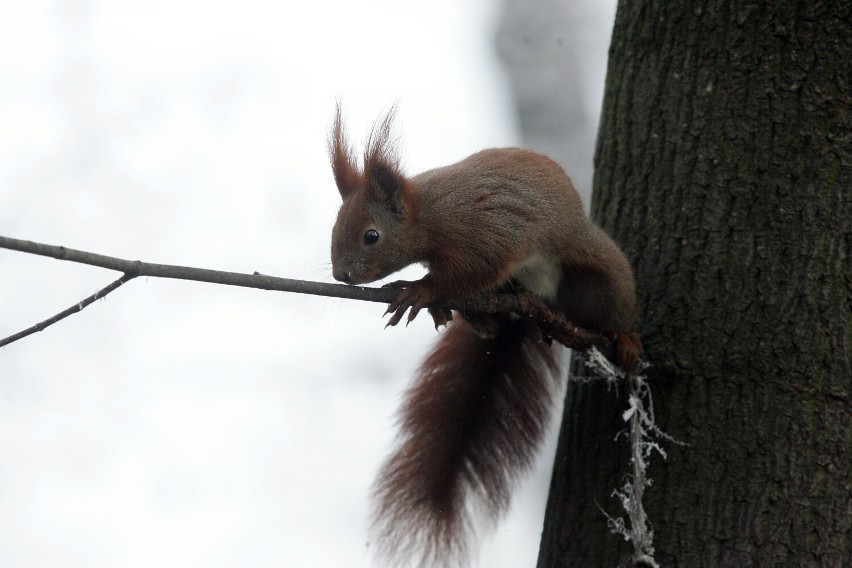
(384, 179)
(385, 185)
(346, 175)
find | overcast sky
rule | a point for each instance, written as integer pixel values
(183, 424)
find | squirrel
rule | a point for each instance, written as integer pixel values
(504, 219)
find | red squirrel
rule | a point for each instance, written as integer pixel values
(502, 219)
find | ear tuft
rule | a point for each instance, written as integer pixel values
(346, 175)
(385, 185)
(384, 178)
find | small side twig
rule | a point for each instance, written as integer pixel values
(554, 325)
(65, 313)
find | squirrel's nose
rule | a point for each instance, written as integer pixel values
(343, 277)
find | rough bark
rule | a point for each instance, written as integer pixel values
(723, 167)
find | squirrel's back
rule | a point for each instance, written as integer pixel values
(519, 209)
(512, 191)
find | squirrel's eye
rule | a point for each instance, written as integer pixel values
(371, 237)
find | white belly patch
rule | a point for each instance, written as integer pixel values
(540, 275)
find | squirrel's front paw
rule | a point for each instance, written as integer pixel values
(415, 295)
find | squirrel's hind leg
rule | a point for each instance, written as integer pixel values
(628, 350)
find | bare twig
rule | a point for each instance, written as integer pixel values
(65, 313)
(557, 327)
(256, 280)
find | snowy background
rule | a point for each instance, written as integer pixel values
(185, 424)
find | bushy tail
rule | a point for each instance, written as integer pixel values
(470, 426)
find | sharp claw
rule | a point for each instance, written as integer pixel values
(409, 298)
(412, 314)
(396, 316)
(394, 306)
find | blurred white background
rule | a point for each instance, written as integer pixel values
(185, 424)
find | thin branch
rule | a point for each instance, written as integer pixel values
(65, 313)
(256, 280)
(554, 325)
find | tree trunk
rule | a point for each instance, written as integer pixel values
(722, 167)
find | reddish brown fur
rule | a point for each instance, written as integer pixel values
(380, 151)
(501, 218)
(470, 426)
(346, 175)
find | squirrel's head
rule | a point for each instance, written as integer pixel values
(373, 235)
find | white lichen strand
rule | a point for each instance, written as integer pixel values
(644, 436)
